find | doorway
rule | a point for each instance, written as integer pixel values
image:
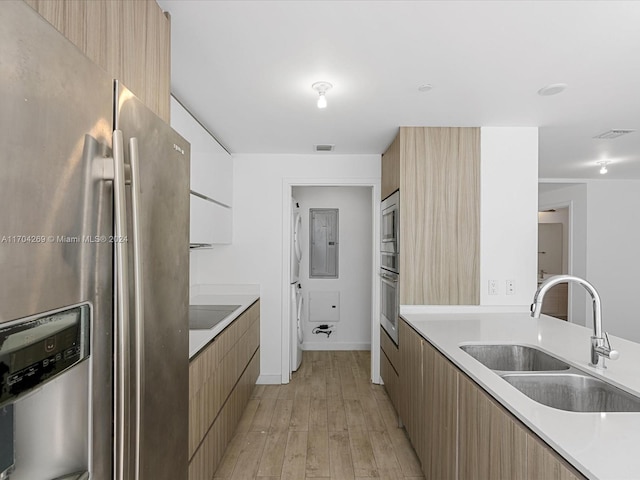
(553, 258)
(367, 218)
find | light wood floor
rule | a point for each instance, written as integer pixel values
(330, 421)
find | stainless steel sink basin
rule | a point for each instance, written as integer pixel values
(574, 392)
(514, 358)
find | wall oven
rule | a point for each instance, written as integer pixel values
(390, 265)
(390, 234)
(389, 303)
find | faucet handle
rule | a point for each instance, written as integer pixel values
(612, 354)
(604, 350)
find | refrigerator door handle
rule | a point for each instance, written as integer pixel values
(138, 277)
(121, 326)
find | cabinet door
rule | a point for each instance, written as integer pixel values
(391, 169)
(492, 444)
(439, 216)
(441, 412)
(411, 401)
(544, 463)
(210, 223)
(211, 165)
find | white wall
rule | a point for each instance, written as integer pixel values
(355, 231)
(613, 253)
(508, 213)
(256, 255)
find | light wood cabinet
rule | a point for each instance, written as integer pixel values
(221, 378)
(544, 463)
(458, 430)
(130, 40)
(391, 169)
(411, 405)
(440, 384)
(389, 366)
(492, 445)
(437, 170)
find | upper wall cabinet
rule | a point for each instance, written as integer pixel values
(437, 170)
(130, 40)
(391, 169)
(211, 165)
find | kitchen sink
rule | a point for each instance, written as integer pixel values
(574, 392)
(550, 381)
(514, 358)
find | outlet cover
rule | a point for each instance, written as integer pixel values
(511, 287)
(493, 287)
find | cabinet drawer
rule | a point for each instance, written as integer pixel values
(390, 378)
(214, 373)
(207, 458)
(390, 348)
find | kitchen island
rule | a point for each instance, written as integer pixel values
(598, 445)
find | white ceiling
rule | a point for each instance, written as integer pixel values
(245, 69)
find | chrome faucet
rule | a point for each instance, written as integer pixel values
(599, 351)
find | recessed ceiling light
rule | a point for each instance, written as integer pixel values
(552, 89)
(425, 88)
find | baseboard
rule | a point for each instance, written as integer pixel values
(336, 346)
(269, 380)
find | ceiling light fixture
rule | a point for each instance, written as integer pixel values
(603, 166)
(425, 88)
(552, 89)
(322, 88)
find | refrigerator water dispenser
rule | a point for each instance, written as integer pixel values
(44, 391)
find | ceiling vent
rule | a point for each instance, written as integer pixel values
(613, 133)
(324, 148)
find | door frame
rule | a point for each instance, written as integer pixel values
(287, 191)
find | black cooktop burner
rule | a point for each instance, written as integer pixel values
(205, 317)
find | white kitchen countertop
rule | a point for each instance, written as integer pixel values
(209, 296)
(600, 445)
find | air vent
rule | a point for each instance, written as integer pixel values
(323, 148)
(613, 133)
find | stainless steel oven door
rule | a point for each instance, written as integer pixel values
(389, 305)
(390, 224)
(390, 261)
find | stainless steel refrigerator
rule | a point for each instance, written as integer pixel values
(94, 260)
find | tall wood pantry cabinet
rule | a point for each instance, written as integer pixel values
(437, 170)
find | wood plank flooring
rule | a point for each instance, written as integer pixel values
(330, 421)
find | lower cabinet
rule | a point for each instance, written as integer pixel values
(411, 406)
(221, 379)
(440, 379)
(389, 365)
(458, 430)
(492, 444)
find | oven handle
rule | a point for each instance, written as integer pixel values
(391, 278)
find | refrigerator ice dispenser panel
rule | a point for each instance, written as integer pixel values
(39, 348)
